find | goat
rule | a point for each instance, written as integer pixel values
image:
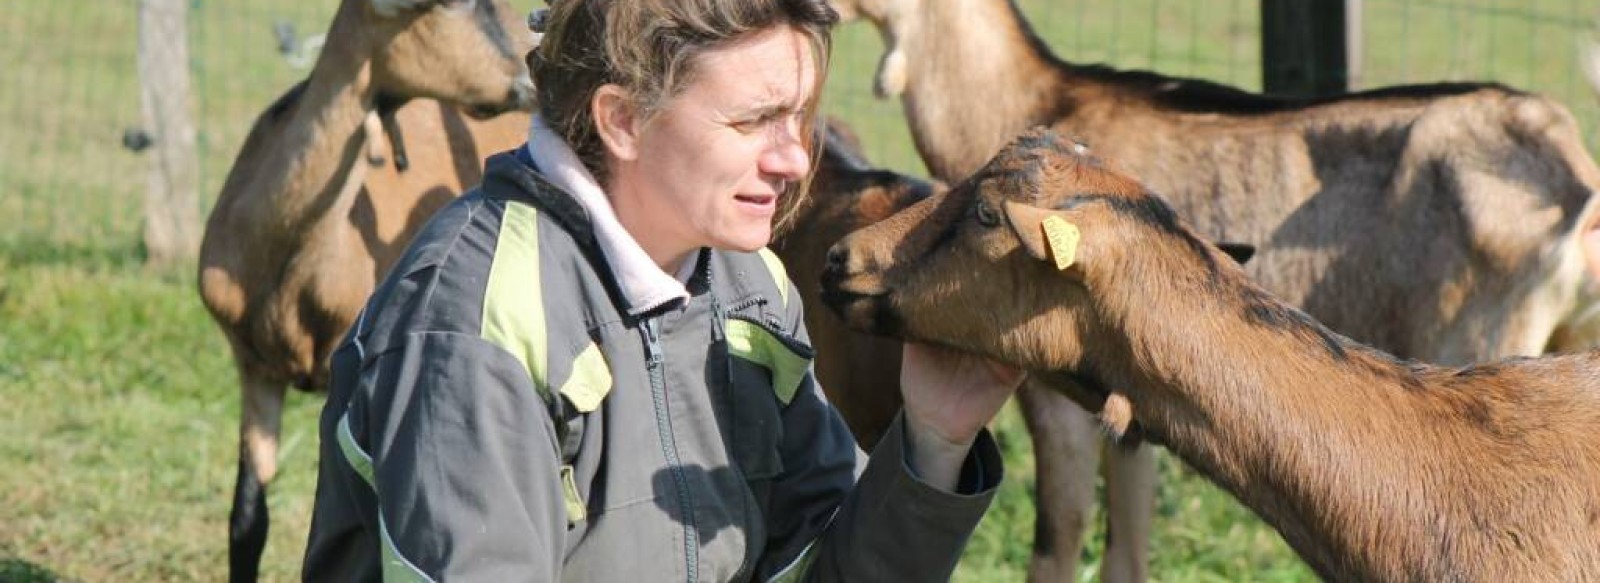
(1372, 468)
(1443, 222)
(301, 229)
(860, 374)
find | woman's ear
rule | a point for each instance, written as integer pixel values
(616, 120)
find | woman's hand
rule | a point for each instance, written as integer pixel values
(950, 395)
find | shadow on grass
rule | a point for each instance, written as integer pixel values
(13, 570)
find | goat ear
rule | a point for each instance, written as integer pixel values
(874, 205)
(1240, 252)
(839, 135)
(1027, 222)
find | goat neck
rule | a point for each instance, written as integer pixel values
(1358, 459)
(313, 162)
(950, 49)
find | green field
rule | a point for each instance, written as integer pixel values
(118, 404)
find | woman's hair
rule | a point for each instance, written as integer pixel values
(649, 48)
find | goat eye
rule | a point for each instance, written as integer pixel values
(987, 216)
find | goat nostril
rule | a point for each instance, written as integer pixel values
(837, 257)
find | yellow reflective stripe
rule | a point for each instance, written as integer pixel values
(590, 381)
(798, 567)
(755, 344)
(395, 566)
(576, 511)
(780, 276)
(353, 455)
(513, 303)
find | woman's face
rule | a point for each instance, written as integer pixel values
(712, 162)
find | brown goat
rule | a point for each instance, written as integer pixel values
(1383, 213)
(1372, 468)
(859, 373)
(1441, 222)
(302, 230)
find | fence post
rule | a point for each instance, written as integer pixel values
(1303, 47)
(1354, 43)
(172, 201)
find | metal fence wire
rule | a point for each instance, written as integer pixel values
(69, 98)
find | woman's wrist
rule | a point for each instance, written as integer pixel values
(933, 457)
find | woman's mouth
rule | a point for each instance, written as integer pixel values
(757, 203)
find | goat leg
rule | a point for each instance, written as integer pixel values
(1066, 448)
(1130, 471)
(261, 412)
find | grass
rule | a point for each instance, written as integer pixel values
(117, 438)
(1200, 533)
(119, 434)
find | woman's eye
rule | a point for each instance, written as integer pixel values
(986, 216)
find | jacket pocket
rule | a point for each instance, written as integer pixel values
(766, 369)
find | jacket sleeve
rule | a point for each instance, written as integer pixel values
(887, 525)
(463, 461)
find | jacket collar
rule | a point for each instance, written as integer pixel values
(547, 173)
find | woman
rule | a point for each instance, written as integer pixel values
(589, 369)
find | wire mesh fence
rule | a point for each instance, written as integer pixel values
(1216, 39)
(70, 185)
(69, 99)
(1534, 45)
(70, 83)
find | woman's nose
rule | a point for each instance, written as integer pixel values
(786, 158)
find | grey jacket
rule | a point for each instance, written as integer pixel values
(495, 415)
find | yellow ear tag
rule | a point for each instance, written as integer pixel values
(1063, 238)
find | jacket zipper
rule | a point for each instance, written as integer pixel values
(719, 337)
(751, 301)
(669, 448)
(771, 322)
(772, 327)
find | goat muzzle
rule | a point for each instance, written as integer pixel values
(857, 298)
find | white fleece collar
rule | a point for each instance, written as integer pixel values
(645, 285)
